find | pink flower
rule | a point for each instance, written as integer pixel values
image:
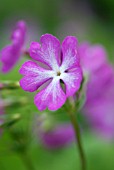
(102, 81)
(62, 63)
(100, 114)
(60, 136)
(92, 57)
(11, 53)
(99, 106)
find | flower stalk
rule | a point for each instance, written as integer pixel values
(75, 125)
(27, 161)
(9, 85)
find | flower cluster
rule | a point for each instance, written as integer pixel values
(98, 108)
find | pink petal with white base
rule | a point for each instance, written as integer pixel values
(70, 57)
(72, 81)
(34, 76)
(52, 96)
(48, 52)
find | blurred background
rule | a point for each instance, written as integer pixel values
(91, 20)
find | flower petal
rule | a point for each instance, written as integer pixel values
(9, 56)
(100, 114)
(70, 55)
(102, 82)
(72, 81)
(92, 57)
(34, 76)
(60, 136)
(19, 33)
(52, 96)
(48, 52)
(11, 53)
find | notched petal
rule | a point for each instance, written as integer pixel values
(70, 56)
(49, 51)
(34, 76)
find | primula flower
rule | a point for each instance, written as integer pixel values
(60, 136)
(61, 63)
(102, 81)
(100, 114)
(52, 134)
(92, 57)
(98, 108)
(11, 53)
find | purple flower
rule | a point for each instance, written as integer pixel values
(99, 107)
(92, 57)
(100, 114)
(61, 63)
(60, 136)
(102, 81)
(11, 53)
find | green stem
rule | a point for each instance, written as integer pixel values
(78, 139)
(6, 85)
(27, 161)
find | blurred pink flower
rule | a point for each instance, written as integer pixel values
(62, 63)
(102, 81)
(100, 103)
(10, 54)
(92, 57)
(100, 114)
(60, 136)
(99, 107)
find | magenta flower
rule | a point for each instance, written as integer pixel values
(61, 63)
(92, 57)
(99, 107)
(60, 136)
(100, 114)
(11, 53)
(102, 81)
